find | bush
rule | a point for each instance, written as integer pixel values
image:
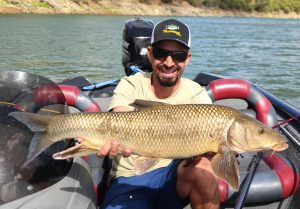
(167, 1)
(250, 5)
(145, 1)
(195, 3)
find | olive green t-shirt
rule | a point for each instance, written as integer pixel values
(138, 86)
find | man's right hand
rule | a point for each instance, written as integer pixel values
(111, 150)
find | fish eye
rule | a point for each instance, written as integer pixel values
(261, 130)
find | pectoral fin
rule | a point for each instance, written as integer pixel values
(143, 164)
(225, 166)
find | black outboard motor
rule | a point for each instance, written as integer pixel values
(136, 38)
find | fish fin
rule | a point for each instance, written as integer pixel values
(37, 124)
(142, 104)
(38, 144)
(143, 164)
(225, 166)
(76, 151)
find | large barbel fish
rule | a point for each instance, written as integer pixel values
(158, 131)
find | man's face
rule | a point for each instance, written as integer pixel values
(168, 59)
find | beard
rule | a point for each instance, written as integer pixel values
(168, 81)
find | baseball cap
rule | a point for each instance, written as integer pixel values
(171, 30)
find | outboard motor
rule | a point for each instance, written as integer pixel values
(136, 39)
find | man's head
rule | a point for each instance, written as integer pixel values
(171, 30)
(169, 51)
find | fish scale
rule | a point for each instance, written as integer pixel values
(164, 131)
(160, 131)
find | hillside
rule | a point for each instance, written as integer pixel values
(249, 8)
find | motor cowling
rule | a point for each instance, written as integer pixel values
(136, 39)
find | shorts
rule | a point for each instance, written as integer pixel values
(154, 189)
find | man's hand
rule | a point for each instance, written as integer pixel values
(111, 150)
(196, 159)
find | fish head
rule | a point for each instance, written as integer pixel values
(247, 134)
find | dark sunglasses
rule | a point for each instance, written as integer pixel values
(177, 56)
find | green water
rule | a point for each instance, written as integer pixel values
(266, 51)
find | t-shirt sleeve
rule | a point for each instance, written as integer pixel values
(195, 92)
(201, 97)
(123, 94)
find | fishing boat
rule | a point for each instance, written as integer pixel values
(268, 180)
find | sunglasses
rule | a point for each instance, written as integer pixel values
(177, 56)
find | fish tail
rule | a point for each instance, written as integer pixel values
(38, 125)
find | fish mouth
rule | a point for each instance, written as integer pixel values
(280, 147)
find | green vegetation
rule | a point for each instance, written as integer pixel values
(243, 5)
(167, 1)
(260, 6)
(41, 4)
(250, 5)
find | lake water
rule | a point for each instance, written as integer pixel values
(266, 51)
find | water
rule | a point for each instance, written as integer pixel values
(266, 51)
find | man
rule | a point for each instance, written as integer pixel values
(168, 184)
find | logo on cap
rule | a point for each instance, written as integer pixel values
(172, 29)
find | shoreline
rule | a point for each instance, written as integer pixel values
(128, 8)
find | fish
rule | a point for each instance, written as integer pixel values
(158, 131)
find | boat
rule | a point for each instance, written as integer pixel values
(268, 180)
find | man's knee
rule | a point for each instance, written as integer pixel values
(197, 177)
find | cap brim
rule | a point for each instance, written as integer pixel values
(172, 39)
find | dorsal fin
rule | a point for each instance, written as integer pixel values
(142, 104)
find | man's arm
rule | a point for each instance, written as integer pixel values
(121, 109)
